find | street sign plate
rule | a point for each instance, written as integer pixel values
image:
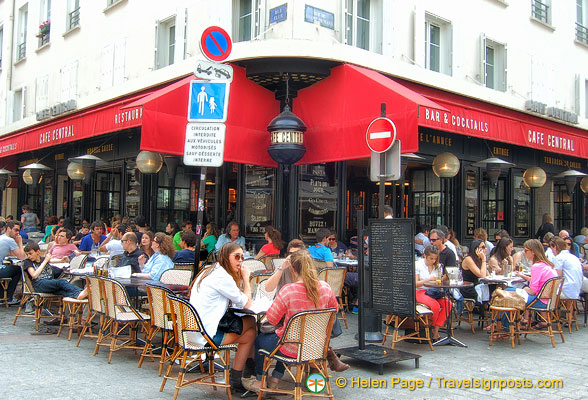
(215, 43)
(205, 144)
(210, 70)
(393, 170)
(209, 101)
(380, 134)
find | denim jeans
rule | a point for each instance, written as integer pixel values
(267, 341)
(10, 271)
(60, 287)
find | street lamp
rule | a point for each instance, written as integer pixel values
(75, 171)
(493, 167)
(88, 163)
(584, 184)
(534, 178)
(149, 162)
(446, 165)
(571, 178)
(32, 174)
(5, 178)
(287, 138)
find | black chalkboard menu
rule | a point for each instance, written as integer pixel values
(391, 266)
(318, 198)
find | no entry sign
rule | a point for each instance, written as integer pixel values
(380, 135)
(216, 44)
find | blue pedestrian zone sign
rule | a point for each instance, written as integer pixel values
(209, 101)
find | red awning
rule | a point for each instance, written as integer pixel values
(251, 108)
(471, 117)
(338, 110)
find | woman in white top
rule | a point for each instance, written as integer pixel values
(500, 261)
(426, 271)
(211, 295)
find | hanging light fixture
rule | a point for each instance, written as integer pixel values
(534, 177)
(286, 135)
(571, 178)
(5, 178)
(446, 165)
(88, 166)
(32, 174)
(584, 184)
(494, 166)
(75, 171)
(149, 162)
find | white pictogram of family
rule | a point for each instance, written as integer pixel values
(202, 99)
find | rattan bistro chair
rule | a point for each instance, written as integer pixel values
(277, 263)
(97, 307)
(309, 332)
(78, 262)
(421, 321)
(335, 277)
(550, 292)
(254, 265)
(4, 282)
(40, 301)
(176, 277)
(267, 260)
(187, 325)
(184, 265)
(161, 321)
(120, 316)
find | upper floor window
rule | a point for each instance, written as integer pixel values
(16, 104)
(44, 22)
(166, 43)
(73, 14)
(1, 43)
(111, 2)
(357, 23)
(493, 64)
(246, 16)
(438, 44)
(582, 21)
(21, 38)
(541, 10)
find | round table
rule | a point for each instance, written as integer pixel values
(446, 286)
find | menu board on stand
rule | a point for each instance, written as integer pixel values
(391, 262)
(318, 199)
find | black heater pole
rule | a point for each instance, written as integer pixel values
(199, 217)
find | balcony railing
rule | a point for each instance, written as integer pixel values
(74, 18)
(21, 51)
(43, 39)
(581, 33)
(540, 11)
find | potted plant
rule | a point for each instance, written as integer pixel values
(44, 28)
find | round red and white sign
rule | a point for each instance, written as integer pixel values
(380, 135)
(216, 43)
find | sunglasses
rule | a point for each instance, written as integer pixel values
(434, 240)
(332, 239)
(239, 257)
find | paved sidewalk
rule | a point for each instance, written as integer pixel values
(48, 367)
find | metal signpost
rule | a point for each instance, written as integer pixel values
(207, 111)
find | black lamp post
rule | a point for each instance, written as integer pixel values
(287, 138)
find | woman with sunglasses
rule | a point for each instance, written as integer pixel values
(210, 296)
(161, 260)
(306, 293)
(474, 267)
(427, 271)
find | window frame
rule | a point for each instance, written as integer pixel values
(354, 17)
(1, 44)
(445, 43)
(21, 39)
(72, 17)
(499, 64)
(254, 14)
(582, 21)
(44, 15)
(163, 40)
(540, 7)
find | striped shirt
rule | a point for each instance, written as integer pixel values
(292, 299)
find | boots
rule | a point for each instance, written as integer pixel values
(335, 364)
(249, 368)
(235, 381)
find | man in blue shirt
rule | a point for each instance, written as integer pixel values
(231, 235)
(320, 250)
(569, 266)
(94, 239)
(187, 244)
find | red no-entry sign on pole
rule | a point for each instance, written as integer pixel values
(380, 135)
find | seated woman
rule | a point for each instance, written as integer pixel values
(210, 297)
(474, 267)
(145, 245)
(160, 261)
(209, 240)
(274, 244)
(306, 293)
(541, 270)
(427, 271)
(500, 261)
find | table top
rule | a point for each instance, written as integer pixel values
(447, 285)
(346, 261)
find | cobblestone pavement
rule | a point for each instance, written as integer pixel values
(48, 367)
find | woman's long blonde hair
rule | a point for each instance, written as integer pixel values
(538, 252)
(304, 267)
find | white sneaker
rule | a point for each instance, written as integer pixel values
(13, 302)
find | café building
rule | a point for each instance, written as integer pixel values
(86, 164)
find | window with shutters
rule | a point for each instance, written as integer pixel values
(21, 36)
(17, 104)
(582, 21)
(166, 42)
(438, 44)
(246, 19)
(493, 64)
(113, 64)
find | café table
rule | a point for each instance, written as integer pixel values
(447, 286)
(346, 262)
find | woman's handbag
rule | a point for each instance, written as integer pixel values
(231, 323)
(507, 299)
(434, 293)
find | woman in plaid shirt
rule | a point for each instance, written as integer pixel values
(306, 293)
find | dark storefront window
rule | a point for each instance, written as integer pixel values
(426, 197)
(78, 202)
(493, 206)
(107, 195)
(521, 208)
(563, 208)
(35, 200)
(173, 201)
(318, 198)
(259, 199)
(48, 196)
(133, 193)
(471, 202)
